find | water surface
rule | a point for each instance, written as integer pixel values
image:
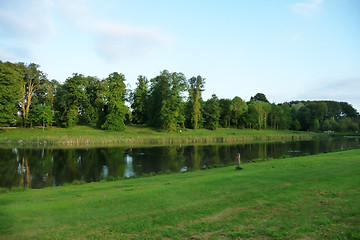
(38, 168)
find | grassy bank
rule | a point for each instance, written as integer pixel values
(135, 135)
(312, 197)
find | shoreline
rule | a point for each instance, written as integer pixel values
(83, 136)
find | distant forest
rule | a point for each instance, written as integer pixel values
(169, 101)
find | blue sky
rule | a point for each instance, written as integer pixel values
(286, 49)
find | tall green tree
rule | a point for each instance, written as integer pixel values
(251, 117)
(318, 111)
(196, 86)
(139, 100)
(225, 112)
(72, 102)
(166, 108)
(280, 116)
(10, 93)
(41, 115)
(33, 81)
(212, 112)
(116, 110)
(92, 109)
(304, 117)
(262, 110)
(238, 108)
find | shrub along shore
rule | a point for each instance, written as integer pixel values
(309, 197)
(136, 135)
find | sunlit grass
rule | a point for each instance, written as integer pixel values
(83, 135)
(312, 197)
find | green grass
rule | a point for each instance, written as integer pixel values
(135, 135)
(312, 197)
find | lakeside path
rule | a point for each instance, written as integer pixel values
(310, 197)
(138, 135)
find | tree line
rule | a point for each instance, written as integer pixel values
(168, 101)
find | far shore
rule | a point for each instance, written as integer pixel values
(140, 135)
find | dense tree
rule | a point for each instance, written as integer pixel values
(33, 81)
(334, 109)
(251, 117)
(46, 93)
(27, 98)
(165, 101)
(259, 97)
(212, 112)
(93, 110)
(225, 113)
(238, 108)
(304, 117)
(347, 124)
(10, 93)
(41, 115)
(280, 116)
(139, 100)
(262, 111)
(348, 111)
(194, 110)
(330, 125)
(115, 102)
(72, 103)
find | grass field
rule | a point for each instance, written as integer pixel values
(135, 135)
(311, 197)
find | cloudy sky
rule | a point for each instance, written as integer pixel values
(286, 49)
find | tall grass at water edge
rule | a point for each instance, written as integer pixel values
(135, 135)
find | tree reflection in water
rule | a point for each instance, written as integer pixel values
(24, 171)
(37, 168)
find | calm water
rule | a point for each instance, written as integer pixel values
(38, 168)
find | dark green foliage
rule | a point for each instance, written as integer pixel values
(80, 100)
(280, 116)
(115, 102)
(34, 86)
(259, 97)
(348, 111)
(324, 116)
(251, 117)
(225, 114)
(238, 109)
(10, 93)
(94, 112)
(347, 124)
(262, 111)
(212, 113)
(139, 100)
(41, 115)
(72, 102)
(28, 98)
(165, 101)
(193, 108)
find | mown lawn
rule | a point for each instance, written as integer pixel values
(311, 197)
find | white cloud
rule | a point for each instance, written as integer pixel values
(114, 40)
(306, 8)
(23, 26)
(27, 19)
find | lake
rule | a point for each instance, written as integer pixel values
(44, 167)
